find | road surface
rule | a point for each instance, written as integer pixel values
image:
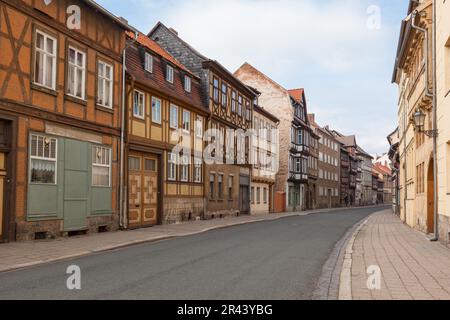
(279, 259)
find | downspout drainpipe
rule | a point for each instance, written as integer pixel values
(435, 136)
(123, 221)
(432, 95)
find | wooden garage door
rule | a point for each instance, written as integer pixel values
(142, 190)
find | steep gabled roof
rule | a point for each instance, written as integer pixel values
(148, 43)
(297, 94)
(347, 141)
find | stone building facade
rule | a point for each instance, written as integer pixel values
(413, 75)
(290, 108)
(329, 166)
(368, 197)
(230, 103)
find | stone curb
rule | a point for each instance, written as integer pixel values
(165, 237)
(345, 283)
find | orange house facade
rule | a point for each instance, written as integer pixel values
(60, 99)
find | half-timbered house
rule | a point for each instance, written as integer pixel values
(60, 95)
(230, 102)
(165, 124)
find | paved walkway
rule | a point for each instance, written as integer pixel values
(25, 254)
(412, 267)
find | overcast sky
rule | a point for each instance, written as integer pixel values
(324, 46)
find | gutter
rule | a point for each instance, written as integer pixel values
(123, 220)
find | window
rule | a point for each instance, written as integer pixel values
(300, 136)
(230, 187)
(258, 195)
(134, 164)
(139, 104)
(224, 95)
(186, 121)
(198, 175)
(253, 195)
(173, 116)
(156, 110)
(247, 110)
(233, 101)
(220, 186)
(420, 187)
(216, 90)
(199, 127)
(212, 180)
(148, 62)
(240, 105)
(150, 165)
(101, 166)
(185, 169)
(76, 73)
(172, 168)
(265, 195)
(105, 84)
(43, 156)
(187, 84)
(169, 74)
(45, 60)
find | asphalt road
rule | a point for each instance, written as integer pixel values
(279, 259)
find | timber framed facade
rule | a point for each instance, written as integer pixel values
(230, 103)
(60, 118)
(166, 120)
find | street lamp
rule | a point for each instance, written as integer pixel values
(419, 124)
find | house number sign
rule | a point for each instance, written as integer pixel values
(73, 15)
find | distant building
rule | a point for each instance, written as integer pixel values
(329, 166)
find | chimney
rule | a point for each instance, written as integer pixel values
(312, 116)
(173, 31)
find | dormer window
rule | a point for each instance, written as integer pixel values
(169, 74)
(187, 83)
(148, 62)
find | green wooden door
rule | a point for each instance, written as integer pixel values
(76, 185)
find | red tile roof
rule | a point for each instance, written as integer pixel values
(382, 169)
(145, 41)
(296, 94)
(157, 79)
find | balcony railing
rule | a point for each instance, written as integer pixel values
(298, 177)
(298, 148)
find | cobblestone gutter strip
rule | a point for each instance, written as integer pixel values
(345, 281)
(328, 286)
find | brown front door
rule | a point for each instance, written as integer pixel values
(142, 190)
(3, 182)
(430, 198)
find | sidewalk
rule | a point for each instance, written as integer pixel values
(25, 254)
(412, 267)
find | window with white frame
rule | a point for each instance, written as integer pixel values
(148, 62)
(224, 95)
(198, 176)
(199, 127)
(101, 166)
(43, 157)
(187, 84)
(105, 84)
(184, 169)
(233, 101)
(169, 73)
(156, 110)
(76, 73)
(173, 116)
(45, 60)
(172, 167)
(186, 121)
(139, 104)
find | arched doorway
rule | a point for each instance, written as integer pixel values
(430, 197)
